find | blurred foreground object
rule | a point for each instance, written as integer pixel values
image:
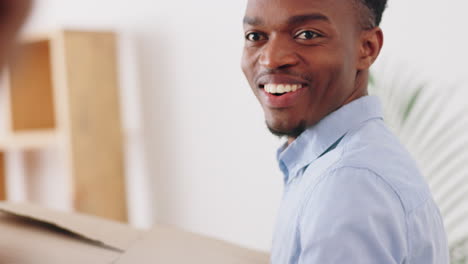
(13, 13)
(61, 94)
(31, 234)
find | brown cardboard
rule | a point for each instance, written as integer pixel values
(166, 245)
(112, 234)
(34, 235)
(23, 241)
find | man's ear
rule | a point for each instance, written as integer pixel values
(370, 44)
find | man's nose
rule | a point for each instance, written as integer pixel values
(278, 54)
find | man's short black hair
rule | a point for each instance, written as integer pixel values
(375, 9)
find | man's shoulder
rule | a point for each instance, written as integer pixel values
(374, 148)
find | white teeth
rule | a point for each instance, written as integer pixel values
(281, 88)
(273, 88)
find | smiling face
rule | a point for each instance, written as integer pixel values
(306, 58)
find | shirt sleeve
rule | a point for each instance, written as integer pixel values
(353, 217)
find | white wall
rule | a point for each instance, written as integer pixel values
(428, 36)
(199, 154)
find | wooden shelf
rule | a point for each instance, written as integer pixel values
(31, 93)
(62, 90)
(29, 140)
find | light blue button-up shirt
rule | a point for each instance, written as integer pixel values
(353, 195)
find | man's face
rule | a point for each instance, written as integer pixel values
(300, 58)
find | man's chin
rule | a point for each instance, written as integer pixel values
(293, 132)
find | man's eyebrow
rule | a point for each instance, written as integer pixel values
(299, 19)
(253, 21)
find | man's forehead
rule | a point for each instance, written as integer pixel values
(261, 7)
(259, 11)
(293, 5)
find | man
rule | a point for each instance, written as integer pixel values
(352, 194)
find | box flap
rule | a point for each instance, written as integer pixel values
(166, 245)
(108, 233)
(27, 241)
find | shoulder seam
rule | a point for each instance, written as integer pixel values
(405, 209)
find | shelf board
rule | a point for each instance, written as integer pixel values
(30, 140)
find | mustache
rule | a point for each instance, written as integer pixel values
(304, 76)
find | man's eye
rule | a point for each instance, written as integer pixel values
(254, 37)
(306, 35)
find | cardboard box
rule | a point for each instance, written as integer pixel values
(34, 235)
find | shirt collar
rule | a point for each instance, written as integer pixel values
(317, 139)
